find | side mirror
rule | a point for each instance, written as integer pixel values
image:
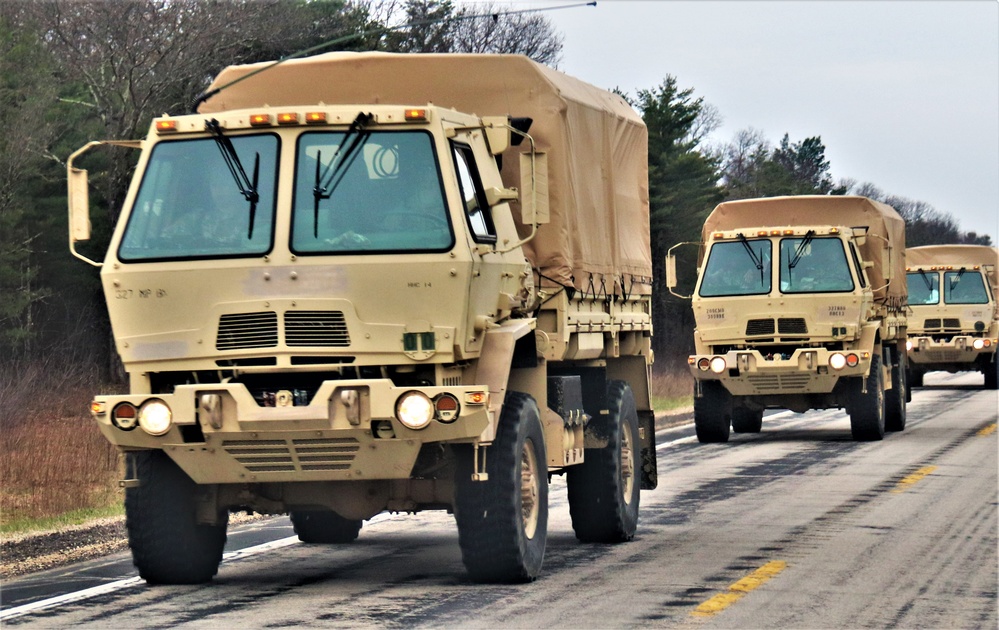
(534, 188)
(79, 204)
(497, 133)
(670, 271)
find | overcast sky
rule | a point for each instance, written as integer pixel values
(905, 94)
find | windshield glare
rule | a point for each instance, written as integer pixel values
(190, 206)
(386, 196)
(733, 268)
(962, 287)
(923, 287)
(813, 265)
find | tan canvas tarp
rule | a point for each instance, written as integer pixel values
(882, 223)
(958, 256)
(597, 144)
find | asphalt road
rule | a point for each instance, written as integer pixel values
(794, 527)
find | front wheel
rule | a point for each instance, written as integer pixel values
(747, 420)
(168, 545)
(604, 489)
(895, 398)
(711, 415)
(992, 374)
(503, 521)
(324, 527)
(867, 409)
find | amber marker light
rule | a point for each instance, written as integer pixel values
(476, 398)
(315, 118)
(416, 115)
(260, 120)
(97, 408)
(287, 118)
(166, 126)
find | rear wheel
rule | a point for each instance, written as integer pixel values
(324, 527)
(895, 398)
(867, 409)
(747, 420)
(503, 521)
(915, 378)
(711, 415)
(604, 489)
(168, 545)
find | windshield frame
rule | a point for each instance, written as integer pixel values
(266, 211)
(963, 274)
(737, 288)
(811, 242)
(302, 200)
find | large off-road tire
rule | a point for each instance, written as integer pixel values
(867, 410)
(324, 527)
(503, 521)
(915, 377)
(895, 398)
(168, 545)
(991, 372)
(604, 489)
(711, 415)
(747, 420)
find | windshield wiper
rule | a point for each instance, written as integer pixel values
(333, 174)
(247, 187)
(801, 248)
(926, 279)
(757, 260)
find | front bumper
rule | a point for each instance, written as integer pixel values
(751, 373)
(926, 352)
(348, 431)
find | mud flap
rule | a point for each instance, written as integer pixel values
(647, 439)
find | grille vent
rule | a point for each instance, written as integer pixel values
(247, 330)
(779, 382)
(792, 326)
(951, 323)
(760, 327)
(326, 329)
(931, 323)
(293, 455)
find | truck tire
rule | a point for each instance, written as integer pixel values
(991, 374)
(915, 378)
(168, 545)
(324, 527)
(867, 411)
(503, 521)
(895, 399)
(711, 416)
(604, 490)
(747, 420)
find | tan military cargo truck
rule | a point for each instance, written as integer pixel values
(953, 321)
(358, 283)
(799, 304)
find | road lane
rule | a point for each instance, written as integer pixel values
(856, 552)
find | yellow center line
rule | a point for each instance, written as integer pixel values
(738, 590)
(989, 430)
(907, 482)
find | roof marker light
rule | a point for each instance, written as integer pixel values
(315, 118)
(166, 126)
(287, 118)
(260, 120)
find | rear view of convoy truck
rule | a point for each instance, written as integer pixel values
(799, 304)
(953, 321)
(358, 283)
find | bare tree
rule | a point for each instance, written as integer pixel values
(528, 34)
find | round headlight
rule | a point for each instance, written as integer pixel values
(837, 361)
(978, 344)
(414, 409)
(908, 345)
(155, 417)
(125, 416)
(718, 365)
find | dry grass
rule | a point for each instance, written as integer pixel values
(672, 387)
(53, 459)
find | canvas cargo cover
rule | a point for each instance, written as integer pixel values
(957, 255)
(597, 144)
(881, 220)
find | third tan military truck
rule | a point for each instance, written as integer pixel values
(799, 304)
(358, 283)
(954, 321)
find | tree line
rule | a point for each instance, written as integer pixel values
(73, 71)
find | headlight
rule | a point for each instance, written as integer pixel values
(837, 361)
(978, 344)
(718, 365)
(155, 417)
(414, 409)
(908, 345)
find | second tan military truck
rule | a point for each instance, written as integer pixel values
(954, 320)
(358, 283)
(799, 304)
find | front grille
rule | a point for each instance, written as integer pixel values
(792, 326)
(759, 327)
(247, 330)
(951, 323)
(931, 323)
(315, 454)
(326, 329)
(769, 383)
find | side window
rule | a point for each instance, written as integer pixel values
(856, 265)
(480, 221)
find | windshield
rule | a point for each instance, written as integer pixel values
(384, 195)
(923, 287)
(962, 287)
(189, 205)
(813, 265)
(737, 268)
